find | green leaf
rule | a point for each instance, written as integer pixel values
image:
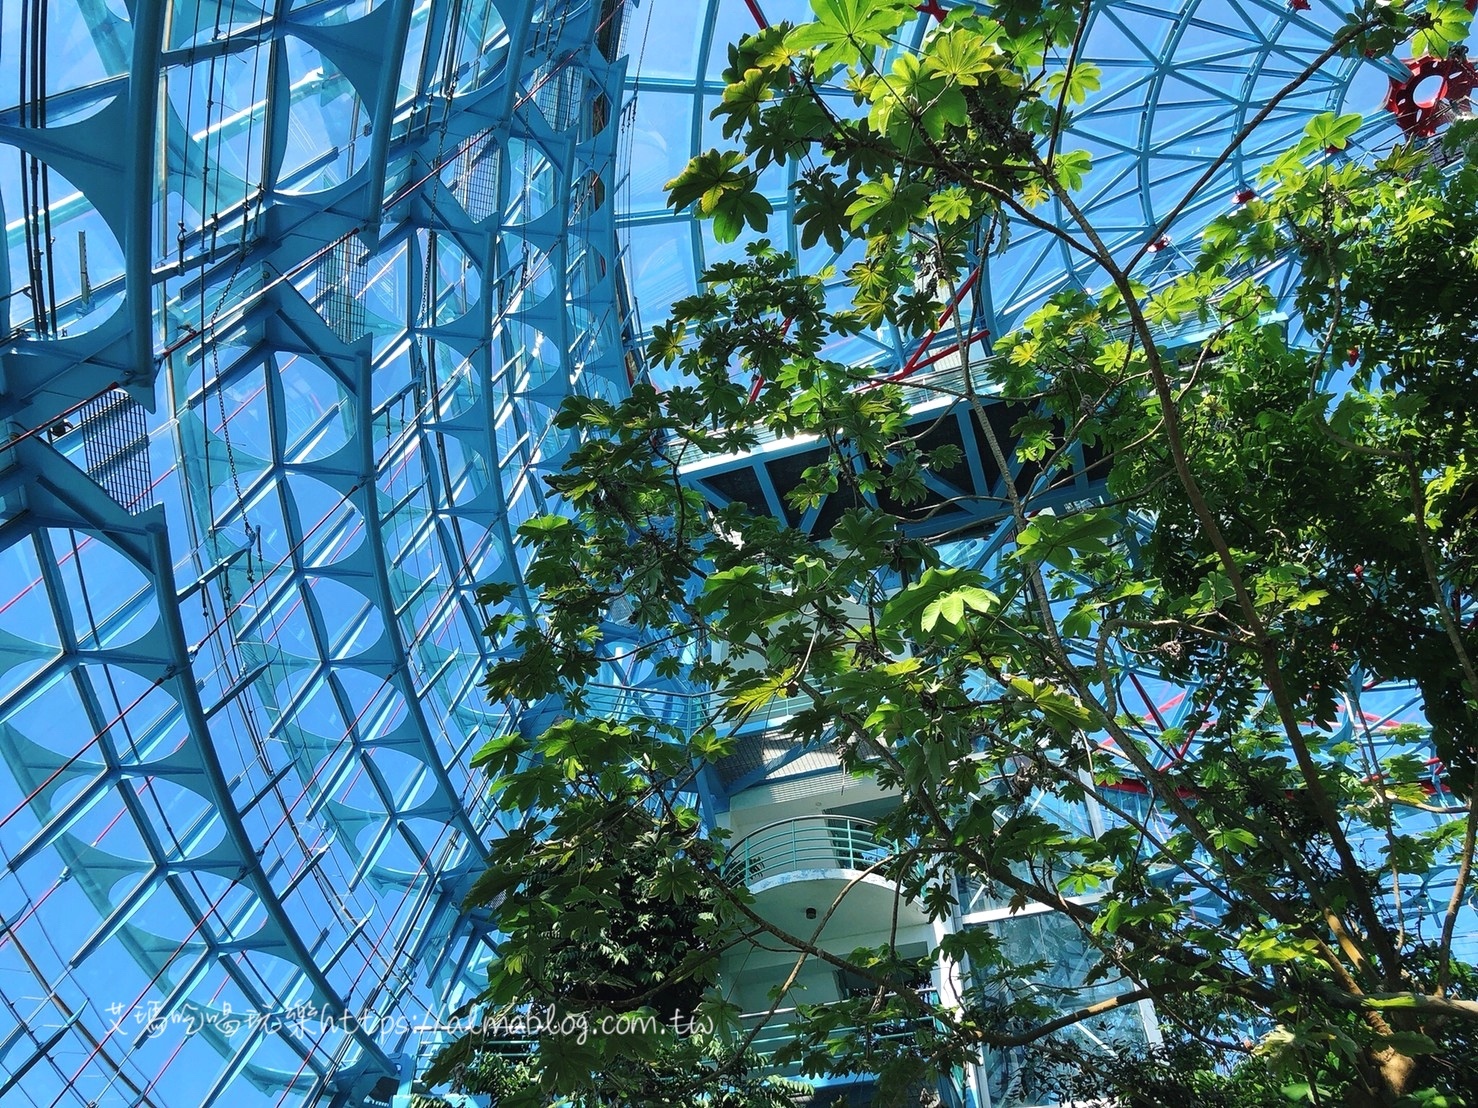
(498, 751)
(846, 30)
(1060, 710)
(742, 101)
(951, 606)
(667, 342)
(884, 209)
(1446, 26)
(1071, 167)
(821, 202)
(951, 205)
(961, 56)
(722, 189)
(940, 593)
(705, 178)
(1329, 131)
(1084, 78)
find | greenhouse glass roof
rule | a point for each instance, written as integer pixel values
(289, 296)
(1179, 81)
(289, 293)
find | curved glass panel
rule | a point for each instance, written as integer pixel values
(282, 338)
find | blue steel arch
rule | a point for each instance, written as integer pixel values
(268, 425)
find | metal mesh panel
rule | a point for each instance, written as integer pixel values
(341, 280)
(476, 183)
(557, 90)
(115, 447)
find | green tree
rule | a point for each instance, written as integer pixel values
(1276, 515)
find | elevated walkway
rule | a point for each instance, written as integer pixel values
(967, 499)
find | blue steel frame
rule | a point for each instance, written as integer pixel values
(1180, 79)
(346, 256)
(338, 262)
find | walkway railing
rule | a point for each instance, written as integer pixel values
(806, 843)
(777, 1033)
(691, 711)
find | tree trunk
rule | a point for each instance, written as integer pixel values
(1388, 1075)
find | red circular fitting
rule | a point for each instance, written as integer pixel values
(1422, 117)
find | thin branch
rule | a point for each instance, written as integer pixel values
(1067, 78)
(1274, 102)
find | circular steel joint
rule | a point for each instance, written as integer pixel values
(1420, 113)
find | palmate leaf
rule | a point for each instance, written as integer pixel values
(940, 594)
(734, 210)
(961, 57)
(951, 606)
(1084, 78)
(764, 49)
(667, 343)
(845, 28)
(882, 208)
(1059, 542)
(755, 696)
(951, 205)
(1446, 26)
(821, 200)
(723, 189)
(914, 91)
(742, 101)
(706, 178)
(1072, 166)
(1059, 709)
(786, 128)
(1328, 131)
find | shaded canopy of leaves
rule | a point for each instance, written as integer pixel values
(1278, 512)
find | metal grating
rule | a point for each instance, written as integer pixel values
(341, 281)
(475, 186)
(115, 448)
(558, 92)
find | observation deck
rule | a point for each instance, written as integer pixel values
(826, 874)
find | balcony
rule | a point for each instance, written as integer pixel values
(690, 711)
(966, 499)
(773, 1033)
(799, 870)
(803, 845)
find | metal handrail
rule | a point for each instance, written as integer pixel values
(775, 1032)
(805, 843)
(916, 391)
(689, 710)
